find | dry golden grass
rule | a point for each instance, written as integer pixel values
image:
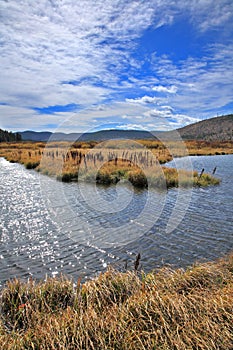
(113, 160)
(165, 309)
(20, 151)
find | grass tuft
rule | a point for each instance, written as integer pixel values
(165, 309)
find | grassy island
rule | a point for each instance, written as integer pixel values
(165, 309)
(106, 163)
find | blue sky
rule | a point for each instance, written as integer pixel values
(90, 64)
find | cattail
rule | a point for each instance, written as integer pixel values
(201, 173)
(136, 264)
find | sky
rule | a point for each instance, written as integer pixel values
(87, 65)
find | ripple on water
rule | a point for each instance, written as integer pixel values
(67, 235)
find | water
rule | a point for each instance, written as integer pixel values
(48, 227)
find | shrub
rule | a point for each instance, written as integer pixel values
(32, 165)
(104, 178)
(205, 180)
(138, 178)
(66, 177)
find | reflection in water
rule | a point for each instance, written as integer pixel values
(48, 227)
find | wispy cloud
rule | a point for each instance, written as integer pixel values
(202, 84)
(83, 53)
(211, 14)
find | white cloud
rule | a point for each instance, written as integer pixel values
(167, 89)
(203, 84)
(208, 14)
(174, 120)
(21, 118)
(131, 127)
(45, 44)
(144, 100)
(58, 53)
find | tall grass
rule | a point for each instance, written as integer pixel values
(137, 163)
(165, 309)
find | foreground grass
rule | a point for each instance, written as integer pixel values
(167, 309)
(137, 162)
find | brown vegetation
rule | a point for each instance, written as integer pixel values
(111, 161)
(165, 309)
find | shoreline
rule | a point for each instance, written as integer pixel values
(167, 308)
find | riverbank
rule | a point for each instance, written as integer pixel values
(137, 162)
(165, 309)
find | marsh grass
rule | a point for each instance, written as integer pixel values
(164, 309)
(137, 163)
(170, 177)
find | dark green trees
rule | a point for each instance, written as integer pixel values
(6, 136)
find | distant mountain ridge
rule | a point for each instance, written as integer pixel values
(213, 129)
(102, 135)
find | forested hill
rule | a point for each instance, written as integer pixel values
(214, 129)
(6, 136)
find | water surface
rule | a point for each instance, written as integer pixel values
(48, 227)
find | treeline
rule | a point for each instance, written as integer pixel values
(6, 136)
